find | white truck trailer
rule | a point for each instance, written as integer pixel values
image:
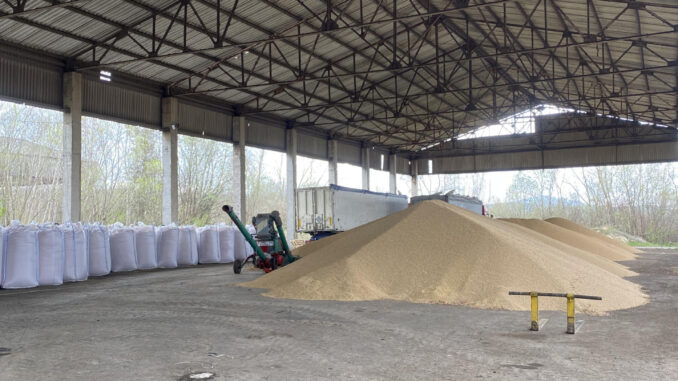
(323, 211)
(467, 202)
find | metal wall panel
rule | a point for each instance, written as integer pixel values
(575, 157)
(202, 121)
(311, 146)
(376, 159)
(403, 165)
(508, 161)
(647, 153)
(264, 134)
(348, 153)
(30, 82)
(119, 102)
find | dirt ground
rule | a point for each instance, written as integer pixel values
(165, 325)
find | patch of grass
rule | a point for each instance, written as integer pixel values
(651, 244)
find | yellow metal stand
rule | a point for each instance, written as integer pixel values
(534, 310)
(570, 313)
(534, 326)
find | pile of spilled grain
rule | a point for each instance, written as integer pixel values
(577, 238)
(435, 252)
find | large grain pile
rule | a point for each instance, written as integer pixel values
(567, 224)
(434, 252)
(578, 239)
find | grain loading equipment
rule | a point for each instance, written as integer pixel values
(270, 245)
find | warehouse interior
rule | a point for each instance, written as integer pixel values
(398, 86)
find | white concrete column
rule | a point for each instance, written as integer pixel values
(170, 161)
(239, 168)
(72, 146)
(291, 185)
(414, 172)
(332, 161)
(392, 187)
(365, 161)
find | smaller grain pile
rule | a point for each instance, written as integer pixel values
(435, 252)
(567, 224)
(577, 239)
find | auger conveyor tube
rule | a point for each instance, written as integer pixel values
(243, 230)
(283, 239)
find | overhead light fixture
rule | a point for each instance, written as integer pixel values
(105, 75)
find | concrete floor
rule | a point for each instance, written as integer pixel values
(168, 324)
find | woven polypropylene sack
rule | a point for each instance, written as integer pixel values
(50, 256)
(3, 238)
(147, 249)
(99, 249)
(123, 249)
(76, 266)
(240, 245)
(168, 246)
(208, 245)
(187, 253)
(20, 268)
(252, 231)
(227, 243)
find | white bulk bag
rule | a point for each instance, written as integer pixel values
(123, 249)
(168, 246)
(20, 269)
(3, 239)
(99, 250)
(240, 246)
(227, 243)
(76, 266)
(50, 256)
(187, 253)
(147, 249)
(253, 231)
(208, 245)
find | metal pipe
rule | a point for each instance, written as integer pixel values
(243, 230)
(577, 296)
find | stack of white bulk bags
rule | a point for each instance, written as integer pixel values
(123, 249)
(187, 253)
(168, 246)
(147, 249)
(208, 245)
(227, 243)
(20, 269)
(50, 256)
(99, 250)
(76, 266)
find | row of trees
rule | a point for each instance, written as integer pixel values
(122, 180)
(122, 172)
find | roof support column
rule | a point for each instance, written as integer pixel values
(365, 161)
(239, 167)
(72, 146)
(332, 161)
(392, 188)
(170, 161)
(291, 184)
(414, 172)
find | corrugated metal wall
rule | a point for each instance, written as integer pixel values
(111, 100)
(348, 152)
(311, 146)
(31, 82)
(266, 134)
(201, 121)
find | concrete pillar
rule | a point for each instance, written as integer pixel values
(239, 168)
(291, 185)
(414, 172)
(392, 187)
(170, 161)
(72, 146)
(332, 161)
(365, 161)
